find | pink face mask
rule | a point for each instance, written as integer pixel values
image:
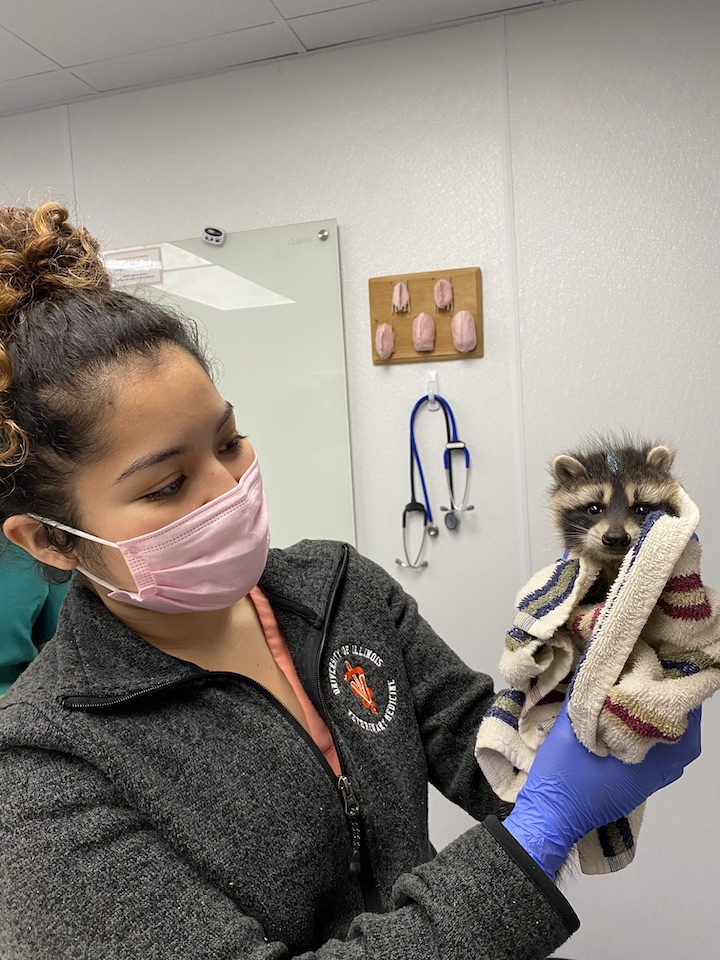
(206, 560)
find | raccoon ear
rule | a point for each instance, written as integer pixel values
(567, 469)
(661, 458)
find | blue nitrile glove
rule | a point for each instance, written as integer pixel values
(570, 791)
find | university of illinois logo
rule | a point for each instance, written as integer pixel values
(356, 675)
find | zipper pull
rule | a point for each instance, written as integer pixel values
(352, 812)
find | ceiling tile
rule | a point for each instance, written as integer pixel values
(17, 59)
(41, 90)
(116, 44)
(82, 31)
(379, 18)
(187, 59)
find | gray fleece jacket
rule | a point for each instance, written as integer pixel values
(152, 809)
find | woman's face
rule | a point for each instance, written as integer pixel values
(172, 446)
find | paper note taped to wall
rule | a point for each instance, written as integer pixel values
(134, 266)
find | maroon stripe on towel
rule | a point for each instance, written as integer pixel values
(684, 583)
(695, 611)
(641, 728)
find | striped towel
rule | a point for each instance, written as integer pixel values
(635, 665)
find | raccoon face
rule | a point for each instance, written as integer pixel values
(603, 494)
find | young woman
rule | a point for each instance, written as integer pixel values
(225, 751)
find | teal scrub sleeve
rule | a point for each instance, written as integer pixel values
(44, 626)
(28, 612)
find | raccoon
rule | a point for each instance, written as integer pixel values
(601, 496)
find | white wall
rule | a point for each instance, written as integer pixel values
(572, 154)
(616, 151)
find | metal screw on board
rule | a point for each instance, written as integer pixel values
(323, 234)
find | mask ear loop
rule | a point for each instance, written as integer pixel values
(85, 536)
(67, 529)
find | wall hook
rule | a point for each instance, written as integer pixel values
(432, 389)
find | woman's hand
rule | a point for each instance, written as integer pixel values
(570, 791)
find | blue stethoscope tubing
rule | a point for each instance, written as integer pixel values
(453, 445)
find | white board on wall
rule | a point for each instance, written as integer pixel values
(270, 303)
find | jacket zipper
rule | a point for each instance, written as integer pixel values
(102, 703)
(352, 812)
(351, 801)
(331, 605)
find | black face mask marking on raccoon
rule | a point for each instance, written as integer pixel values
(603, 493)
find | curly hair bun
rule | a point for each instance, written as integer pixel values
(41, 255)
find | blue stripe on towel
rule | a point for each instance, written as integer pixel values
(504, 715)
(526, 601)
(686, 667)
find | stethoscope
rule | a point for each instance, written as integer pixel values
(453, 447)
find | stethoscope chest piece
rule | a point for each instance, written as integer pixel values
(451, 520)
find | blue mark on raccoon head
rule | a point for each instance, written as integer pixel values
(612, 461)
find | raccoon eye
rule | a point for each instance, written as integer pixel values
(594, 509)
(642, 509)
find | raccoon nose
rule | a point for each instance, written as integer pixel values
(616, 538)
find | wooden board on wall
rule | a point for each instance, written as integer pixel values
(467, 295)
